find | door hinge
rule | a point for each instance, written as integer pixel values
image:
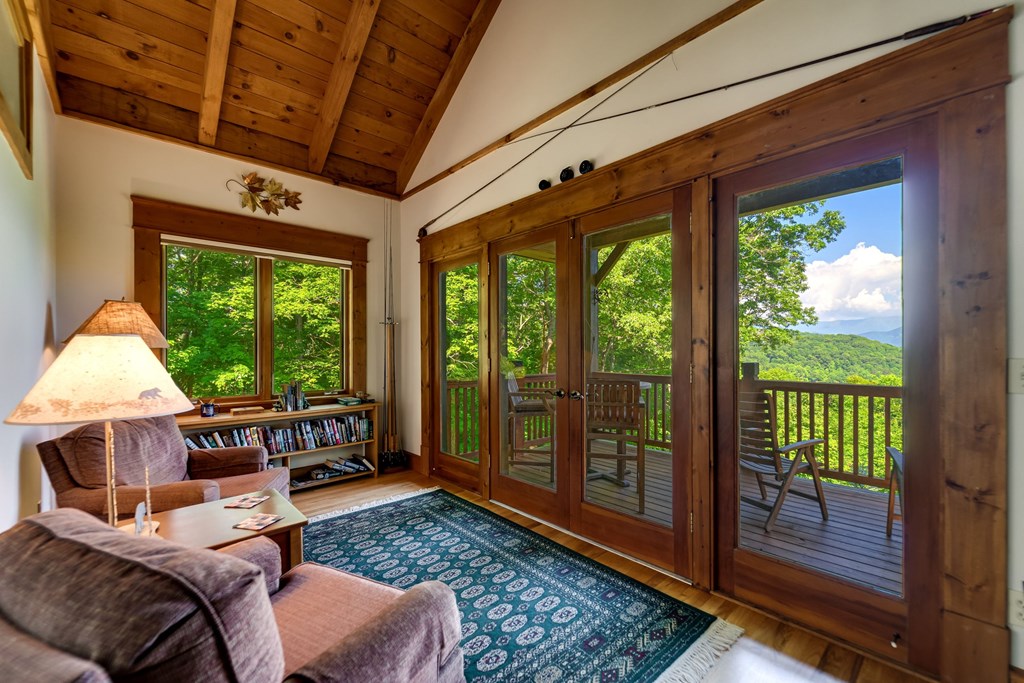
(691, 222)
(488, 269)
(691, 373)
(691, 523)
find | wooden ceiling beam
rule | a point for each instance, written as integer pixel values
(343, 73)
(468, 45)
(218, 44)
(687, 36)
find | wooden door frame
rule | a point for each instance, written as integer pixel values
(462, 472)
(866, 617)
(532, 499)
(589, 519)
(960, 75)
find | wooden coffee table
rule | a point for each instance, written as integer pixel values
(209, 525)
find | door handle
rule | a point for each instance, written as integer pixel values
(557, 393)
(575, 396)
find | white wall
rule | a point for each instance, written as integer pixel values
(27, 303)
(513, 79)
(99, 168)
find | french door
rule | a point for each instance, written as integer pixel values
(458, 303)
(589, 334)
(818, 413)
(529, 377)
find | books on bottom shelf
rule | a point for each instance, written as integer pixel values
(303, 435)
(335, 468)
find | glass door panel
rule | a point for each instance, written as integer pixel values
(819, 308)
(529, 370)
(627, 331)
(827, 339)
(528, 396)
(458, 324)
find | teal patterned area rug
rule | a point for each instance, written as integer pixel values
(531, 609)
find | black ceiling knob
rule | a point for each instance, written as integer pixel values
(586, 166)
(566, 174)
(544, 184)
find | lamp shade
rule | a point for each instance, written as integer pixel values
(101, 377)
(123, 317)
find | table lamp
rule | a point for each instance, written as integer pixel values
(102, 377)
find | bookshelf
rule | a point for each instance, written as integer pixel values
(291, 439)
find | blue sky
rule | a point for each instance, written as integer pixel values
(872, 217)
(860, 274)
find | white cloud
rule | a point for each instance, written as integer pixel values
(864, 283)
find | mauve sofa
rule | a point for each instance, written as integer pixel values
(81, 601)
(76, 465)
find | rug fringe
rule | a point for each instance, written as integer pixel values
(698, 660)
(372, 504)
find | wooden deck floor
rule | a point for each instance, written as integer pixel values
(851, 545)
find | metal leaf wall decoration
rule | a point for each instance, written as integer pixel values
(260, 193)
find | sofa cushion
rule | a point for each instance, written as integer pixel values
(143, 609)
(317, 606)
(155, 441)
(27, 660)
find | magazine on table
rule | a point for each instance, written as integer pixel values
(258, 521)
(247, 502)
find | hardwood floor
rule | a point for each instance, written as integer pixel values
(769, 652)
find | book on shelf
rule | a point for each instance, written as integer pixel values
(342, 466)
(190, 444)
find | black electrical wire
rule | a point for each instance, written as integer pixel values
(423, 230)
(555, 132)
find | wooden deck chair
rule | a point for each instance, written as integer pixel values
(773, 466)
(616, 412)
(527, 410)
(895, 487)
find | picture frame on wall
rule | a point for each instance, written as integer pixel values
(16, 82)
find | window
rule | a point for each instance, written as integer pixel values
(249, 305)
(214, 316)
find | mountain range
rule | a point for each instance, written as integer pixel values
(885, 329)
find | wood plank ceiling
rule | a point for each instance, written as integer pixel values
(347, 90)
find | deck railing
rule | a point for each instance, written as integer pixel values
(461, 431)
(856, 421)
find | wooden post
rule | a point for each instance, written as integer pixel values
(749, 379)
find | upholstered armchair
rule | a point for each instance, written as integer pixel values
(178, 477)
(81, 601)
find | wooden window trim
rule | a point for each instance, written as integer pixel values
(153, 218)
(19, 137)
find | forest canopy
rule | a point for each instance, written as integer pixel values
(634, 307)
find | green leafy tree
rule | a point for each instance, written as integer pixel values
(773, 272)
(211, 298)
(211, 323)
(307, 325)
(635, 309)
(461, 320)
(529, 330)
